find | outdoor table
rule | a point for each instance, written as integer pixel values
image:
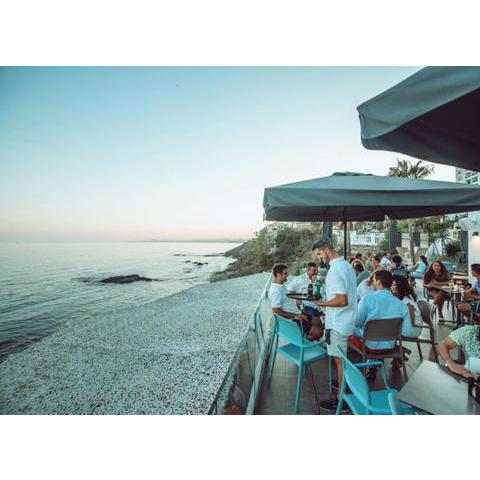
(436, 390)
(456, 295)
(458, 277)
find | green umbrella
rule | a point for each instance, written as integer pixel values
(355, 196)
(432, 115)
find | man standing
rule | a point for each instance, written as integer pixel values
(340, 307)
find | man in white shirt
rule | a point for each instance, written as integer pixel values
(300, 284)
(286, 307)
(340, 305)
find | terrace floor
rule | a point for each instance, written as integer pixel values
(278, 397)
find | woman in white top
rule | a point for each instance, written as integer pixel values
(404, 292)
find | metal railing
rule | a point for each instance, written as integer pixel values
(238, 393)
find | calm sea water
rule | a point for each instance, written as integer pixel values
(44, 285)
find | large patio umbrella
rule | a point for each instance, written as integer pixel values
(355, 196)
(432, 115)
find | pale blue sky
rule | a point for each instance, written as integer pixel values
(135, 153)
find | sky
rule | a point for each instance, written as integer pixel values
(173, 153)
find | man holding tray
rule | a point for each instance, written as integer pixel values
(340, 306)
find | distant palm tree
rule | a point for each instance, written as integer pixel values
(407, 169)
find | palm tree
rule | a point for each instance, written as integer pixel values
(407, 169)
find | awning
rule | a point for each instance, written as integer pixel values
(354, 196)
(433, 115)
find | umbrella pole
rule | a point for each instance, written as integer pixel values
(345, 239)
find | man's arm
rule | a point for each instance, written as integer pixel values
(339, 300)
(407, 324)
(282, 313)
(361, 314)
(444, 350)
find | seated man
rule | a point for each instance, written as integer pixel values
(286, 307)
(380, 305)
(300, 284)
(473, 294)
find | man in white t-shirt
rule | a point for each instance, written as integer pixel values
(286, 307)
(300, 284)
(340, 306)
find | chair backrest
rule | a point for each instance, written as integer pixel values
(355, 380)
(289, 330)
(362, 276)
(426, 312)
(383, 329)
(401, 272)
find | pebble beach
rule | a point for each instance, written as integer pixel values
(166, 357)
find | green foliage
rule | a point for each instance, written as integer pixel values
(453, 248)
(407, 169)
(436, 227)
(288, 245)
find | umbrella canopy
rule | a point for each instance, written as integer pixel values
(355, 196)
(433, 115)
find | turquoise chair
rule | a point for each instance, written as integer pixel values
(297, 350)
(361, 400)
(450, 266)
(362, 276)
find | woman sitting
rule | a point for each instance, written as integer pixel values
(420, 267)
(436, 276)
(468, 338)
(403, 291)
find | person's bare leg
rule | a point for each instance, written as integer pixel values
(440, 300)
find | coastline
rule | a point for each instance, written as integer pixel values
(166, 357)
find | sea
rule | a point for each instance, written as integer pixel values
(46, 285)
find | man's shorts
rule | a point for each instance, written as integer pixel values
(337, 340)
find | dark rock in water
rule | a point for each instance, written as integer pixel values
(214, 255)
(199, 264)
(179, 254)
(126, 279)
(187, 261)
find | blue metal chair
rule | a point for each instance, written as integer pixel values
(297, 350)
(361, 400)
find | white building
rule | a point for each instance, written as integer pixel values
(467, 176)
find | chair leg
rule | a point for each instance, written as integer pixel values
(420, 351)
(435, 352)
(330, 374)
(340, 398)
(299, 386)
(274, 356)
(404, 364)
(314, 388)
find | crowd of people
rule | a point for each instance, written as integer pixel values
(360, 289)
